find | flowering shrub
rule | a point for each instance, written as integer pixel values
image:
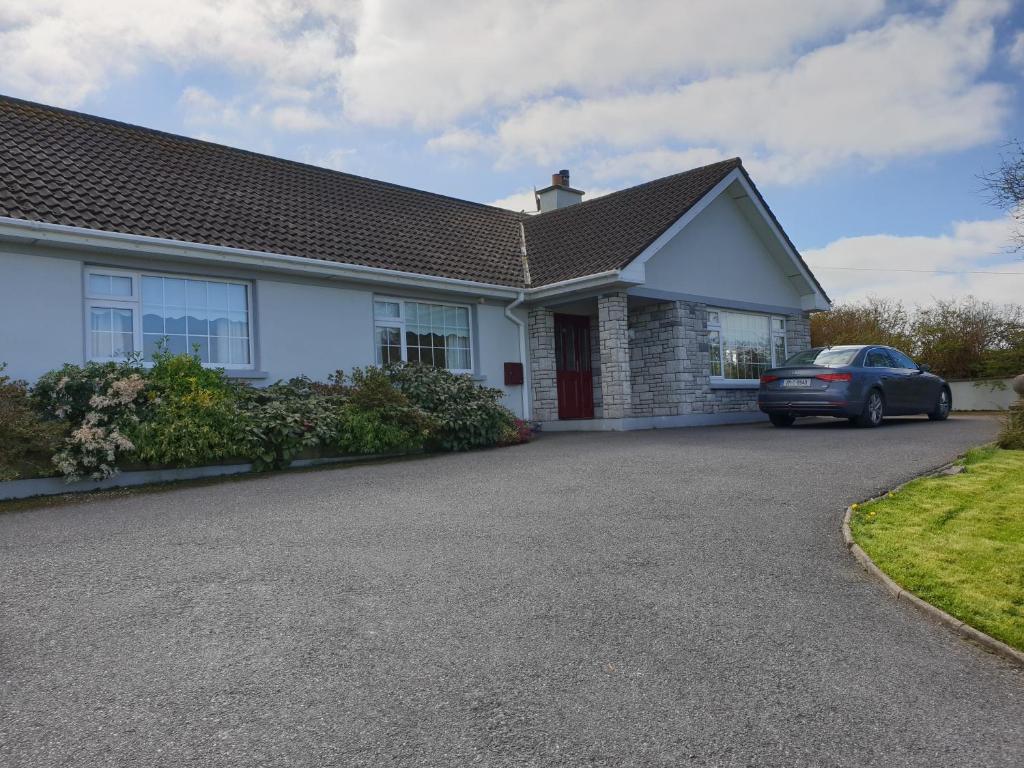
(67, 392)
(518, 431)
(95, 446)
(468, 416)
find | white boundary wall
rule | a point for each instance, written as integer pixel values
(982, 394)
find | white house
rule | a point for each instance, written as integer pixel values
(658, 305)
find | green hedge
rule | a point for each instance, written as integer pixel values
(94, 419)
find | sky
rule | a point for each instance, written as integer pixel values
(864, 123)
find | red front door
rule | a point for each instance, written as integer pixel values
(572, 363)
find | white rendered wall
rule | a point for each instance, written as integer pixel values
(720, 255)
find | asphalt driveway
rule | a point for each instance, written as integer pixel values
(668, 598)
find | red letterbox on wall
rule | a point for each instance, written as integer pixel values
(513, 374)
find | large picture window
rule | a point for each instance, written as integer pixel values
(130, 312)
(743, 345)
(422, 332)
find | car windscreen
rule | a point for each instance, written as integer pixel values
(830, 358)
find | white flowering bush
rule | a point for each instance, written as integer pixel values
(101, 401)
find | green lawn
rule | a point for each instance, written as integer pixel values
(957, 541)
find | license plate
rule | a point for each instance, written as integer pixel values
(787, 383)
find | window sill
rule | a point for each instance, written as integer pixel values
(735, 384)
(478, 377)
(243, 374)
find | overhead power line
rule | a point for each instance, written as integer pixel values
(922, 271)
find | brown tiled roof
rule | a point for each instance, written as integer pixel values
(609, 232)
(68, 168)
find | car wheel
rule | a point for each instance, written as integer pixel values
(874, 410)
(781, 419)
(942, 407)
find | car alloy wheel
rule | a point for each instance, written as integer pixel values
(874, 410)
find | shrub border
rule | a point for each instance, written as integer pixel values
(898, 592)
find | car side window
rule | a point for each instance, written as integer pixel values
(876, 358)
(900, 360)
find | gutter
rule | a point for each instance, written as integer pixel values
(598, 279)
(80, 237)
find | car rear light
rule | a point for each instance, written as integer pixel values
(768, 379)
(834, 376)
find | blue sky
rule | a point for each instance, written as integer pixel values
(865, 123)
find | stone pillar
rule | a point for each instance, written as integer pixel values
(798, 334)
(613, 331)
(543, 377)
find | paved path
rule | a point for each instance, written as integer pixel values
(669, 598)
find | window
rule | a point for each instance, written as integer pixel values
(833, 357)
(420, 332)
(878, 358)
(111, 311)
(137, 312)
(742, 345)
(900, 360)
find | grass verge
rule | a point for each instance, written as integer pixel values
(957, 541)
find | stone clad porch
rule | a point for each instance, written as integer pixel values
(650, 365)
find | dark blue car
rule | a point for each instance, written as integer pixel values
(863, 383)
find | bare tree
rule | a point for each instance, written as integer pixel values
(1005, 188)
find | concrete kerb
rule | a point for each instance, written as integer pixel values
(50, 487)
(966, 631)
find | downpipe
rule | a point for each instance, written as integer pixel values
(522, 351)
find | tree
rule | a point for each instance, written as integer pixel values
(968, 338)
(1005, 188)
(958, 338)
(873, 321)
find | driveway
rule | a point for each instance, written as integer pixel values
(669, 598)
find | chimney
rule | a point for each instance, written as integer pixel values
(559, 194)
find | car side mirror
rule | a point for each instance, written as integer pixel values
(924, 368)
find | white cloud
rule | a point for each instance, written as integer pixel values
(431, 63)
(868, 265)
(63, 51)
(797, 87)
(1017, 50)
(337, 159)
(460, 140)
(654, 163)
(909, 87)
(298, 119)
(202, 108)
(523, 200)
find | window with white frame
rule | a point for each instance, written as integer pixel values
(742, 345)
(422, 332)
(138, 312)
